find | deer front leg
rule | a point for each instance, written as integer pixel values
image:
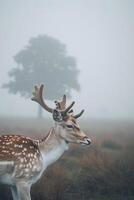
(24, 191)
(15, 193)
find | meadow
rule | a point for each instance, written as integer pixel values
(103, 171)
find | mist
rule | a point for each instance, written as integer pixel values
(99, 34)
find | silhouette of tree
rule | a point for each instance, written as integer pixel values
(44, 60)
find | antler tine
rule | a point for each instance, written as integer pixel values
(61, 105)
(69, 107)
(79, 114)
(37, 97)
(63, 102)
(64, 99)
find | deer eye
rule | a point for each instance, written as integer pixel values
(69, 126)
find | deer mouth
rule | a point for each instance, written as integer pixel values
(86, 141)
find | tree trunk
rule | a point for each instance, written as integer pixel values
(40, 112)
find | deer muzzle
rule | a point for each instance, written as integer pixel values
(85, 141)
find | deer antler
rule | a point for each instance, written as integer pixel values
(37, 96)
(69, 107)
(78, 115)
(61, 105)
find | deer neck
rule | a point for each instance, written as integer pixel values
(52, 147)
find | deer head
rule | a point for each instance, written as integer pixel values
(66, 126)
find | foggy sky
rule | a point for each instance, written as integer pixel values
(99, 33)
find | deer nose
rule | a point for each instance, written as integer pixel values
(87, 140)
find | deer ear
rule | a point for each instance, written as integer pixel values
(57, 115)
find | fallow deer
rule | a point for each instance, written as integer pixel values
(23, 159)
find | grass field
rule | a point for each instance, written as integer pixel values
(103, 171)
